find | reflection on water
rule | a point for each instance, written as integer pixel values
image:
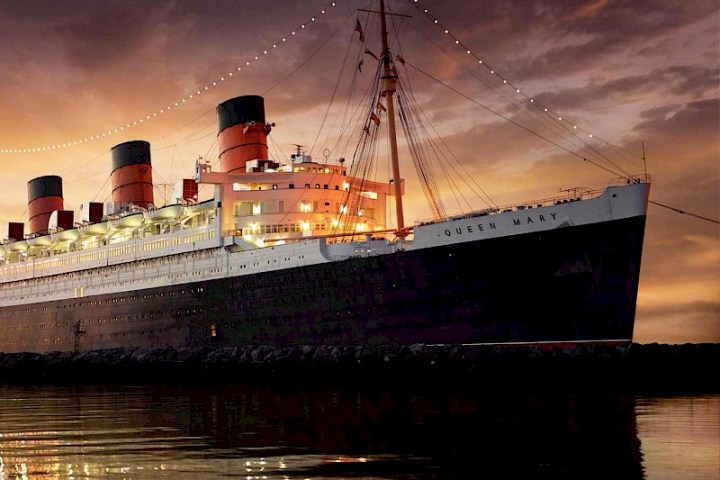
(680, 437)
(258, 432)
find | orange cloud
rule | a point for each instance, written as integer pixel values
(585, 10)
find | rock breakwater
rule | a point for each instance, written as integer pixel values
(641, 364)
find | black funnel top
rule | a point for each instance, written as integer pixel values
(135, 152)
(47, 186)
(240, 110)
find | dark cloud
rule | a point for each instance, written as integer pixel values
(688, 81)
(43, 9)
(109, 35)
(551, 39)
(617, 27)
(660, 112)
(695, 81)
(494, 142)
(697, 117)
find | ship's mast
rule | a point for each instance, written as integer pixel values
(388, 88)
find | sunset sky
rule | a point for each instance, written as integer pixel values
(629, 72)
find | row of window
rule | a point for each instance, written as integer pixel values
(325, 186)
(282, 228)
(108, 301)
(157, 333)
(49, 287)
(44, 287)
(39, 265)
(112, 268)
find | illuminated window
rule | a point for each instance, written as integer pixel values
(372, 195)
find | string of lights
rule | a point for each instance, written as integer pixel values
(174, 105)
(566, 123)
(506, 82)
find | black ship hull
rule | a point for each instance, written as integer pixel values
(561, 286)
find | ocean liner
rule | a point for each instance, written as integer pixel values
(304, 252)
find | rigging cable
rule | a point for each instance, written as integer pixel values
(571, 152)
(483, 196)
(334, 92)
(506, 81)
(302, 64)
(277, 150)
(350, 113)
(363, 158)
(418, 111)
(677, 210)
(543, 117)
(423, 168)
(332, 35)
(536, 105)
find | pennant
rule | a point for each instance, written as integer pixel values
(360, 65)
(380, 107)
(246, 128)
(375, 118)
(367, 50)
(358, 28)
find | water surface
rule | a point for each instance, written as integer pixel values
(368, 432)
(680, 436)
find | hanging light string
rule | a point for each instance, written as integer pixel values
(560, 132)
(505, 117)
(174, 105)
(572, 127)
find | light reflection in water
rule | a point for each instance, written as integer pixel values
(262, 432)
(680, 437)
